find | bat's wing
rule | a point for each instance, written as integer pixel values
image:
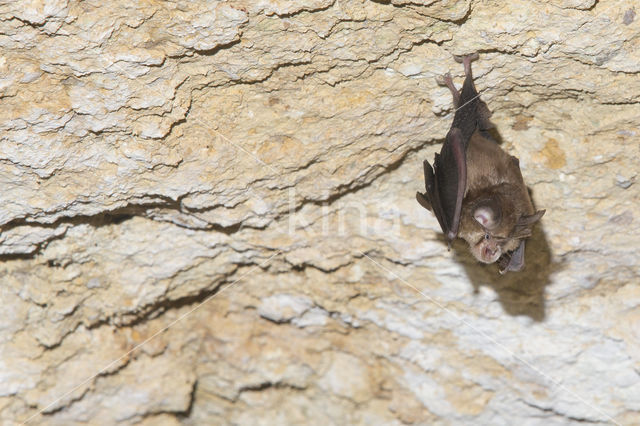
(446, 184)
(513, 261)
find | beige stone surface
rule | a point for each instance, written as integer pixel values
(208, 214)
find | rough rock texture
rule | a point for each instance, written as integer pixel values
(208, 214)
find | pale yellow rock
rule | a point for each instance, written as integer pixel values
(209, 217)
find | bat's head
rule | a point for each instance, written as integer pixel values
(494, 227)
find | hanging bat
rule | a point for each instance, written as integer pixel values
(475, 189)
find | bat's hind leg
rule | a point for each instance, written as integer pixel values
(466, 60)
(446, 80)
(484, 114)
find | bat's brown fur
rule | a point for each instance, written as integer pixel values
(496, 212)
(494, 183)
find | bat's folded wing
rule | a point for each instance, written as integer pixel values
(513, 261)
(430, 200)
(446, 183)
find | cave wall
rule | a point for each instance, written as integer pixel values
(208, 214)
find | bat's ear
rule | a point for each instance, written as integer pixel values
(531, 219)
(488, 213)
(525, 223)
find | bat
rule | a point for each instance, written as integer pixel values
(475, 189)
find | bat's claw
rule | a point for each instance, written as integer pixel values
(466, 60)
(444, 80)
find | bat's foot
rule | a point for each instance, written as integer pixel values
(466, 60)
(446, 80)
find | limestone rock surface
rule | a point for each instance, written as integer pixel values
(208, 214)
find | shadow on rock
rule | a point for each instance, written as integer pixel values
(520, 293)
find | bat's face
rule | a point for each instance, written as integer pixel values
(488, 231)
(488, 248)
